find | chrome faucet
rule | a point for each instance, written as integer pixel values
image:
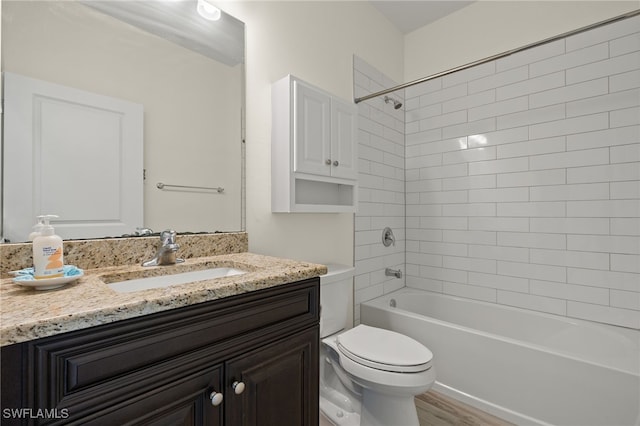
(393, 272)
(143, 232)
(166, 254)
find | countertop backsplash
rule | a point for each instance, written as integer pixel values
(100, 253)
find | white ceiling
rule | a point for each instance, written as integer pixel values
(179, 22)
(411, 15)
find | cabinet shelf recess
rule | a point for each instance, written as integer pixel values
(324, 193)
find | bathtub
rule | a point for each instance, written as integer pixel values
(523, 366)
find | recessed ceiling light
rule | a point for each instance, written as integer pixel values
(208, 11)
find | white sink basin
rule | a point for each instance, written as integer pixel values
(161, 281)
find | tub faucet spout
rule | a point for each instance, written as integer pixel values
(393, 272)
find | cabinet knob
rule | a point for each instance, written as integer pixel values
(238, 387)
(216, 398)
(336, 163)
(328, 161)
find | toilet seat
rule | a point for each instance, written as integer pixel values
(384, 350)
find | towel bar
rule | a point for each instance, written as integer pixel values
(161, 185)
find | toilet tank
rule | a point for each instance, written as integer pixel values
(336, 287)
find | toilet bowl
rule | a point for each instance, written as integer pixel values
(369, 376)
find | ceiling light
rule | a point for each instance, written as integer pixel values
(208, 11)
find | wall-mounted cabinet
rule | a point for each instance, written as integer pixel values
(313, 150)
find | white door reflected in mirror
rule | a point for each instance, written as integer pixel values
(62, 144)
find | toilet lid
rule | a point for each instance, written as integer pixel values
(384, 349)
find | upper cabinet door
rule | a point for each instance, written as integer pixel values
(344, 130)
(311, 130)
(61, 144)
(313, 150)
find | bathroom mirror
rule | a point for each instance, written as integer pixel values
(186, 73)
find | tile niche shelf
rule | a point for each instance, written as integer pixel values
(313, 150)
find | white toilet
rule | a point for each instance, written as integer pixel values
(368, 376)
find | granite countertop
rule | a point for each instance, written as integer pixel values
(27, 314)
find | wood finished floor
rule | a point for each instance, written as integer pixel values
(435, 409)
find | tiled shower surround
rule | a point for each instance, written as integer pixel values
(523, 180)
(381, 197)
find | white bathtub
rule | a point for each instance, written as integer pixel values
(523, 366)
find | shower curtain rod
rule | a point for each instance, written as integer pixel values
(498, 56)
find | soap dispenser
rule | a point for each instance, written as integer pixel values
(47, 252)
(37, 228)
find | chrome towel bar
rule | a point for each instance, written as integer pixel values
(161, 185)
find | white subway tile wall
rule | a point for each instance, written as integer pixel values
(382, 186)
(523, 179)
(515, 182)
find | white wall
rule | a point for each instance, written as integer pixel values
(1, 132)
(487, 27)
(314, 41)
(523, 179)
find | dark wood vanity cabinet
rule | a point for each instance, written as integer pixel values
(276, 384)
(259, 350)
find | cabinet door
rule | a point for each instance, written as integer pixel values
(185, 402)
(281, 384)
(311, 130)
(344, 131)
